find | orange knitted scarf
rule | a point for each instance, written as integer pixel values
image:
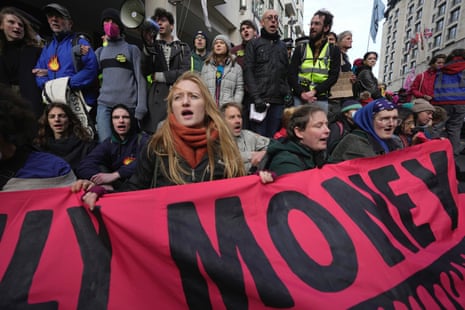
(190, 143)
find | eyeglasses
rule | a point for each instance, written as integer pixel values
(388, 120)
(272, 17)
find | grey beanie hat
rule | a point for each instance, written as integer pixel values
(223, 38)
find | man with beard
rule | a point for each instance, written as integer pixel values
(315, 66)
(266, 65)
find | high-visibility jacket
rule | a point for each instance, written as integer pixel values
(315, 70)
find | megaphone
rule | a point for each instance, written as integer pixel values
(132, 13)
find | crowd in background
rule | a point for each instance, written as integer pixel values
(125, 117)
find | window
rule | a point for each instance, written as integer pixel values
(405, 59)
(442, 9)
(410, 10)
(437, 41)
(439, 25)
(452, 32)
(413, 64)
(420, 2)
(390, 66)
(390, 76)
(408, 35)
(419, 14)
(259, 8)
(409, 22)
(455, 2)
(454, 15)
(415, 52)
(404, 70)
(417, 27)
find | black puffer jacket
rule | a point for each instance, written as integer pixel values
(266, 66)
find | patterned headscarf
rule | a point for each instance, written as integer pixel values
(365, 116)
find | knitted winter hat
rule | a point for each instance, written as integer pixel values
(200, 33)
(113, 14)
(223, 38)
(350, 105)
(421, 105)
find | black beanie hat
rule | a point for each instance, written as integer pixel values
(114, 15)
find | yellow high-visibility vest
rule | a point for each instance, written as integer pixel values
(315, 70)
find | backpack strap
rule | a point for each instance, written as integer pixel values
(76, 50)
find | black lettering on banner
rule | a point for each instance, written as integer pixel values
(188, 239)
(96, 258)
(437, 183)
(358, 207)
(342, 271)
(16, 283)
(381, 178)
(3, 218)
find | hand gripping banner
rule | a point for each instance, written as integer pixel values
(385, 232)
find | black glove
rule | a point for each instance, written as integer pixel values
(260, 106)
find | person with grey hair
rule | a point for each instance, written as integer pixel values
(266, 67)
(344, 42)
(222, 74)
(67, 55)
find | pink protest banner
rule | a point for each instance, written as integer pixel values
(385, 232)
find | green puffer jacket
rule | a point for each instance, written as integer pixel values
(290, 156)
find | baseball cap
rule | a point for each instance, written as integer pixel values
(57, 8)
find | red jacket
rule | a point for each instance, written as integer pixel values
(424, 84)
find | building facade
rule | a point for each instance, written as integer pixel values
(414, 31)
(226, 16)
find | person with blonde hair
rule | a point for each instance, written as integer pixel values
(19, 51)
(194, 144)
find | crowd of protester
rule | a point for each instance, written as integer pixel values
(165, 114)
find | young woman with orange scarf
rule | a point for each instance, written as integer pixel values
(194, 144)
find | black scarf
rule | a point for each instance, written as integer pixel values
(270, 36)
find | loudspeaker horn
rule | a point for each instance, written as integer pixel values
(132, 13)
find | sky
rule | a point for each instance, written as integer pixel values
(349, 15)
